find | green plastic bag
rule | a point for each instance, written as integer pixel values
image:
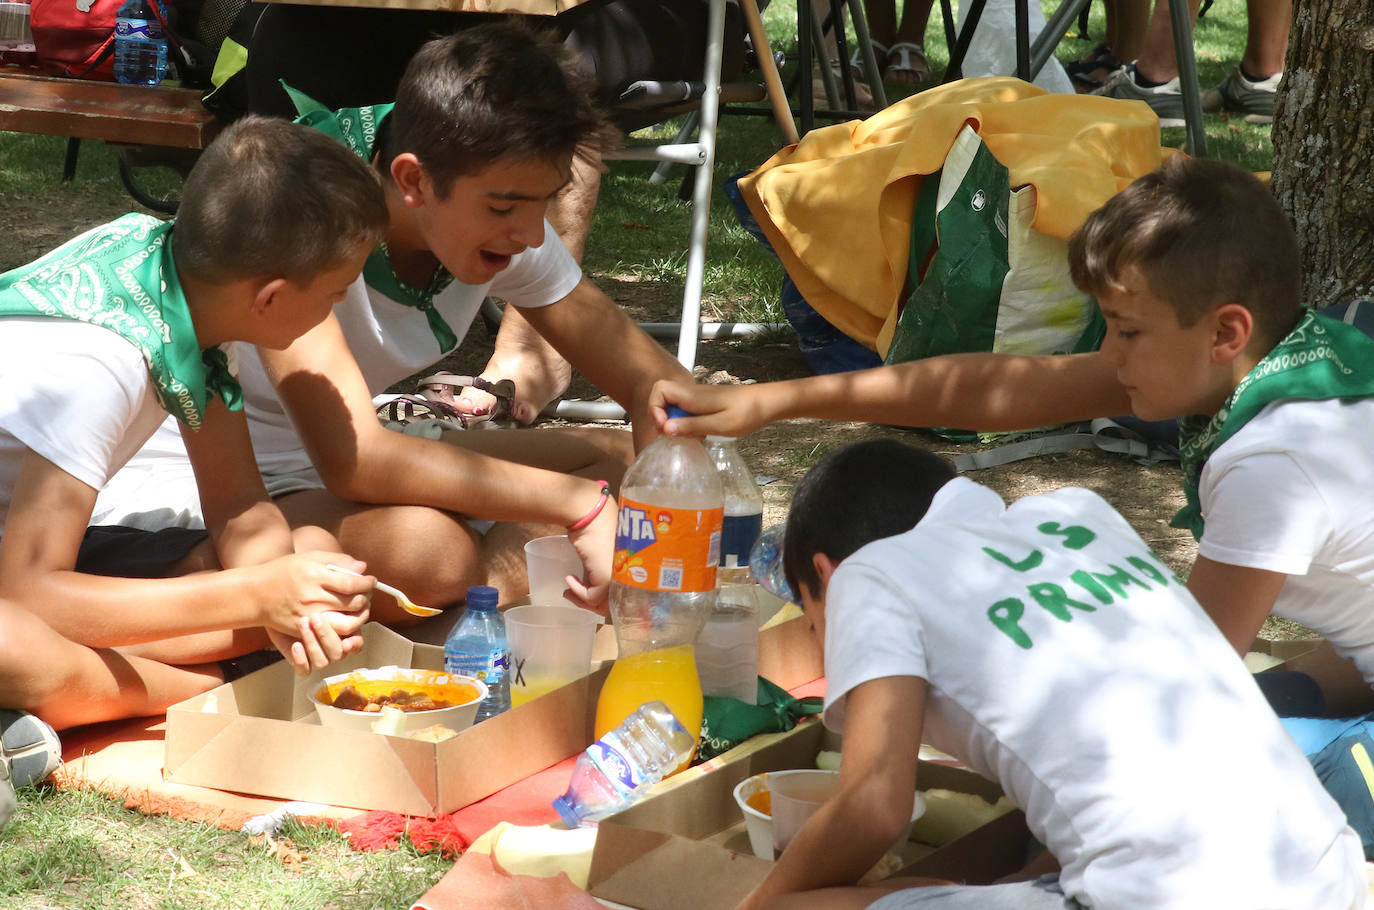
(727, 722)
(980, 278)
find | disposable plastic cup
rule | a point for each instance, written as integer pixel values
(777, 803)
(550, 646)
(549, 560)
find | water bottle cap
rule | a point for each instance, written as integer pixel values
(675, 411)
(482, 596)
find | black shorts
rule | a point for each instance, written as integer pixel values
(122, 552)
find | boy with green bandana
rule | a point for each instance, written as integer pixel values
(99, 341)
(1196, 271)
(479, 141)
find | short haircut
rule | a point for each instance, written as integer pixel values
(854, 496)
(271, 199)
(490, 93)
(1203, 233)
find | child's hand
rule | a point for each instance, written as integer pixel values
(299, 586)
(323, 638)
(596, 545)
(717, 410)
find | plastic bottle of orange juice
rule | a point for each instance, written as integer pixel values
(663, 581)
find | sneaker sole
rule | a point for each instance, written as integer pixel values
(29, 746)
(1172, 123)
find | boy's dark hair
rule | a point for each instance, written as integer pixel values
(489, 93)
(854, 496)
(1203, 233)
(272, 199)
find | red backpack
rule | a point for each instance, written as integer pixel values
(76, 37)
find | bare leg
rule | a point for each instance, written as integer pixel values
(571, 212)
(503, 553)
(68, 684)
(1266, 41)
(1128, 21)
(1157, 61)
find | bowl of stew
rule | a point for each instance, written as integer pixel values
(397, 700)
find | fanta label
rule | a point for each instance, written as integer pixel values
(661, 549)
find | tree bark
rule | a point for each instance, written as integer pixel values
(1324, 146)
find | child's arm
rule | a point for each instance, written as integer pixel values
(852, 830)
(990, 392)
(602, 343)
(43, 534)
(1236, 597)
(360, 460)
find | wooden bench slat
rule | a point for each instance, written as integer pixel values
(139, 114)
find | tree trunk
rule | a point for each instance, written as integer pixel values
(1324, 146)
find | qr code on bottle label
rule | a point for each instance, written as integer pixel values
(670, 575)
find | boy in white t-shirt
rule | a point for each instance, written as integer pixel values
(99, 341)
(480, 140)
(1048, 649)
(1195, 267)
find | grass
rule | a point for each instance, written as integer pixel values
(80, 850)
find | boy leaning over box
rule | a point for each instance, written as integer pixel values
(99, 341)
(1196, 271)
(479, 141)
(1047, 648)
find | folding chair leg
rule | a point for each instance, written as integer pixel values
(1187, 79)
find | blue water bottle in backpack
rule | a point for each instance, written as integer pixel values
(140, 44)
(477, 647)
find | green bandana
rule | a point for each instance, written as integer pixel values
(356, 127)
(121, 277)
(1319, 360)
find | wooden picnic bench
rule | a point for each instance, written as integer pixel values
(141, 118)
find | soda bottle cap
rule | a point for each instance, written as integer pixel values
(675, 411)
(482, 596)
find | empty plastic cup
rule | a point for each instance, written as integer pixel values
(548, 561)
(550, 646)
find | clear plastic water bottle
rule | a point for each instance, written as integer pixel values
(743, 509)
(663, 580)
(140, 46)
(477, 647)
(765, 564)
(616, 769)
(728, 647)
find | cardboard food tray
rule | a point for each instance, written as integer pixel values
(260, 734)
(1343, 687)
(685, 848)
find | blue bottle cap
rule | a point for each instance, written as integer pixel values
(481, 596)
(675, 411)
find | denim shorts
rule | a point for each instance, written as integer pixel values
(1041, 894)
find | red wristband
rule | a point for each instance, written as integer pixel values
(596, 509)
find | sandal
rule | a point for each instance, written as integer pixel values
(1081, 71)
(910, 61)
(405, 410)
(503, 390)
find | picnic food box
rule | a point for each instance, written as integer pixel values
(261, 735)
(685, 846)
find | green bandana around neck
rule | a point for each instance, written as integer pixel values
(1319, 360)
(121, 277)
(357, 128)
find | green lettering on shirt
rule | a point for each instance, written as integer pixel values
(1085, 580)
(1006, 615)
(1076, 537)
(1149, 570)
(1119, 579)
(1054, 599)
(1025, 565)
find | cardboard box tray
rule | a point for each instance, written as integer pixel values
(684, 847)
(260, 735)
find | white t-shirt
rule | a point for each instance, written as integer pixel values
(77, 394)
(389, 340)
(1065, 662)
(1290, 493)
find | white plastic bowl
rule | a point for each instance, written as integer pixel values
(760, 826)
(383, 680)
